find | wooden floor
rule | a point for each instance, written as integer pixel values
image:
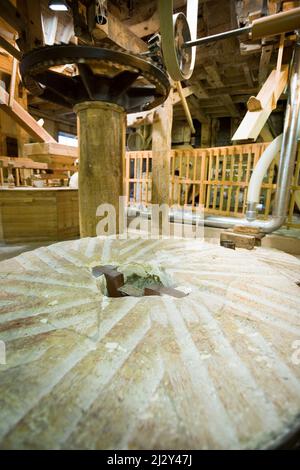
(214, 370)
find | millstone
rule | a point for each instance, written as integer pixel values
(215, 369)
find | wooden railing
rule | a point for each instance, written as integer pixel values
(295, 196)
(217, 178)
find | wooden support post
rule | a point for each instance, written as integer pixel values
(206, 134)
(13, 82)
(185, 107)
(101, 130)
(278, 70)
(161, 147)
(1, 174)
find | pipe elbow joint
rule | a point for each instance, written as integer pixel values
(272, 224)
(251, 211)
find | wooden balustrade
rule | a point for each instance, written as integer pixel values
(217, 178)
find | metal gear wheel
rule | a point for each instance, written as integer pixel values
(102, 75)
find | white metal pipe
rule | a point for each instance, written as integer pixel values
(258, 175)
(261, 169)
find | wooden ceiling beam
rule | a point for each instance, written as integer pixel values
(12, 16)
(230, 106)
(231, 90)
(197, 113)
(23, 118)
(199, 91)
(119, 34)
(213, 76)
(264, 63)
(33, 35)
(8, 47)
(254, 121)
(248, 75)
(39, 113)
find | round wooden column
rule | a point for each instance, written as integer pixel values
(101, 130)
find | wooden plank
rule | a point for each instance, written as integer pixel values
(208, 186)
(240, 240)
(195, 155)
(51, 151)
(232, 158)
(253, 122)
(238, 184)
(20, 162)
(265, 58)
(119, 34)
(7, 46)
(224, 167)
(13, 80)
(216, 187)
(186, 91)
(278, 70)
(23, 118)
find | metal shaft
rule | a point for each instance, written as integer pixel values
(219, 36)
(290, 138)
(271, 25)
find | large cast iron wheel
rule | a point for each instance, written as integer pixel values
(101, 74)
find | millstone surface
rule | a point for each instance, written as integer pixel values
(213, 370)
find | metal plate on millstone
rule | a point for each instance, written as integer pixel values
(127, 80)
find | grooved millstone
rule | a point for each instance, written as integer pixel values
(212, 370)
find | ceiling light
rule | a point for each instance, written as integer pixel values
(58, 5)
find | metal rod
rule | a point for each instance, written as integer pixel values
(271, 25)
(219, 36)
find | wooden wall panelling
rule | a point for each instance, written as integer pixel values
(39, 215)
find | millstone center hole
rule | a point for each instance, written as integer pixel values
(134, 280)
